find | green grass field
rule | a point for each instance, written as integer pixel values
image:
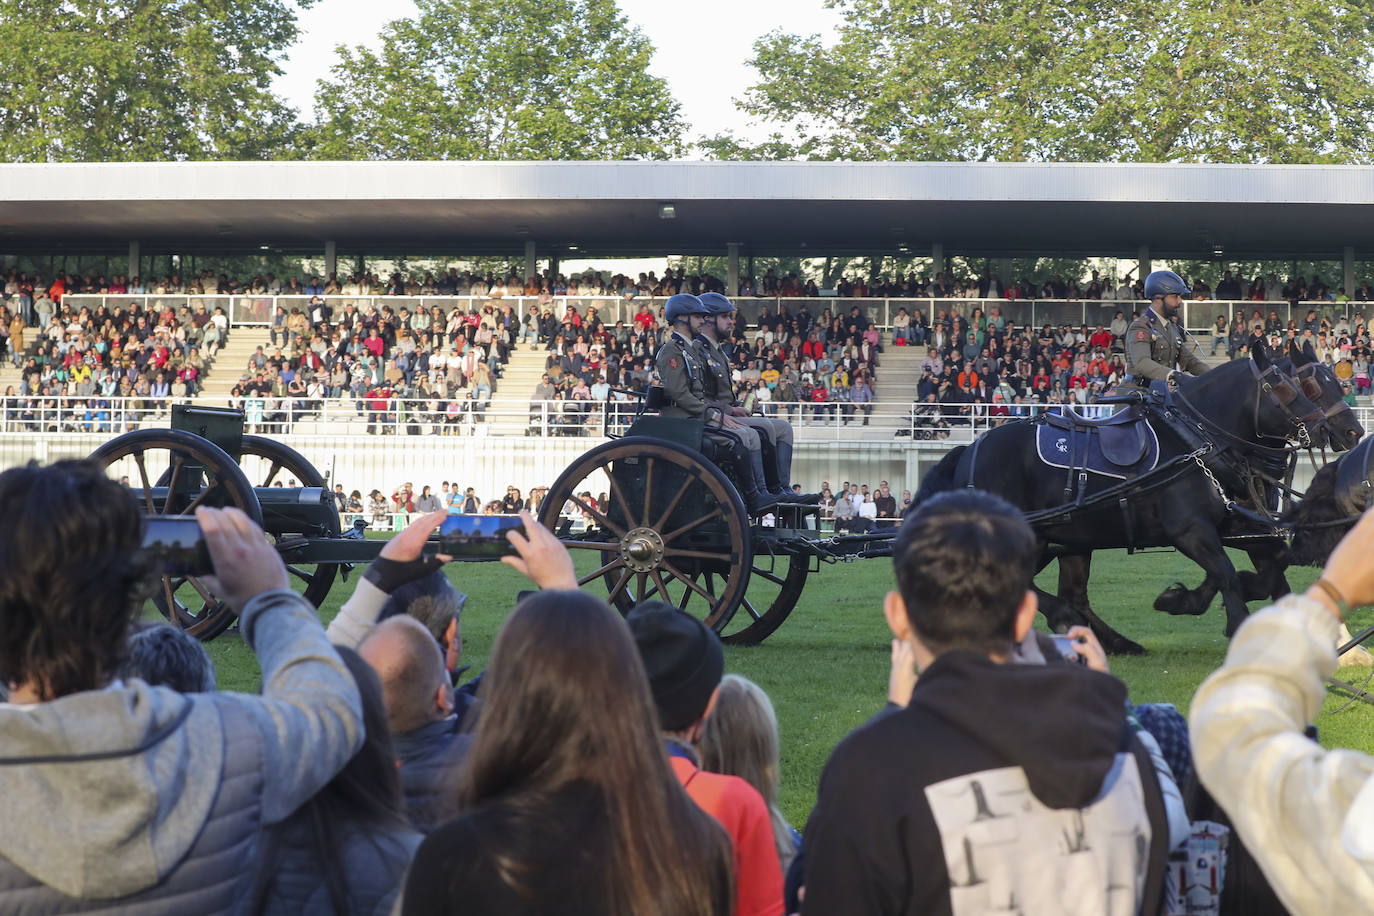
(826, 668)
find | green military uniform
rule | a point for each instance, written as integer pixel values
(770, 435)
(684, 380)
(1156, 346)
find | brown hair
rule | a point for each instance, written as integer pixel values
(566, 699)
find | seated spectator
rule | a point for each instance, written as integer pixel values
(419, 713)
(549, 767)
(897, 826)
(166, 656)
(346, 850)
(160, 796)
(685, 661)
(741, 739)
(1299, 808)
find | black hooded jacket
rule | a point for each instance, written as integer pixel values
(1000, 788)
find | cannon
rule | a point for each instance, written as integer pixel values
(200, 461)
(674, 526)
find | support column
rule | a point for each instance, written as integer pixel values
(937, 259)
(531, 265)
(732, 269)
(1145, 267)
(1349, 283)
(331, 258)
(133, 261)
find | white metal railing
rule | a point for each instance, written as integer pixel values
(1198, 316)
(825, 421)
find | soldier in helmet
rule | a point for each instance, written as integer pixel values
(1156, 346)
(683, 376)
(774, 436)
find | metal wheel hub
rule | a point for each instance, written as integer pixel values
(641, 549)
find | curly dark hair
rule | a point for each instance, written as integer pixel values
(70, 576)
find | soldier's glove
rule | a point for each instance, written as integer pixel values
(1173, 378)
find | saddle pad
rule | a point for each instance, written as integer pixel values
(1062, 448)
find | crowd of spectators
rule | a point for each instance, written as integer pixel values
(432, 368)
(117, 350)
(1008, 767)
(405, 502)
(827, 362)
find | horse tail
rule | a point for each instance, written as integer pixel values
(940, 478)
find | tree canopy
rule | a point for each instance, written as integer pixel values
(524, 79)
(1089, 80)
(143, 79)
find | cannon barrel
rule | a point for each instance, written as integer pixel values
(285, 510)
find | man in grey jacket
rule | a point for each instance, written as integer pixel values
(120, 797)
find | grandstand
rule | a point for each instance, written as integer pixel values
(159, 214)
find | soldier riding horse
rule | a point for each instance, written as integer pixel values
(1174, 470)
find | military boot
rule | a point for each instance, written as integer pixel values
(784, 467)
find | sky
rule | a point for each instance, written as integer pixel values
(700, 49)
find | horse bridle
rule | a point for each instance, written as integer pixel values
(1283, 392)
(1306, 376)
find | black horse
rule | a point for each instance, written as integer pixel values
(1339, 494)
(1204, 446)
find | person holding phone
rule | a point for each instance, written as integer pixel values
(161, 796)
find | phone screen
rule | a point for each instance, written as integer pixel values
(177, 545)
(478, 535)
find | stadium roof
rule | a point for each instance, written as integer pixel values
(614, 208)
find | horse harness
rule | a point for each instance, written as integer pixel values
(1218, 453)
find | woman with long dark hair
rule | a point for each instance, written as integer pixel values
(566, 806)
(347, 849)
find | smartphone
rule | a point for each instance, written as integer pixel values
(478, 535)
(177, 546)
(1064, 645)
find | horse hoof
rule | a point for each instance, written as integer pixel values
(1124, 647)
(1178, 601)
(1358, 657)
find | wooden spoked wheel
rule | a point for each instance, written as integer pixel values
(275, 461)
(671, 528)
(186, 471)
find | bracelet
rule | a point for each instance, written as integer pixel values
(1335, 595)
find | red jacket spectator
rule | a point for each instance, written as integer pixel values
(740, 810)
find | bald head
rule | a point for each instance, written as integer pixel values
(409, 663)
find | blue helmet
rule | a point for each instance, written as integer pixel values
(1165, 283)
(717, 304)
(682, 305)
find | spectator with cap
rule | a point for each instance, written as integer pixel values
(685, 662)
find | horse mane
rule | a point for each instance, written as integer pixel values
(1311, 546)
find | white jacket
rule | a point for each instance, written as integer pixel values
(1304, 812)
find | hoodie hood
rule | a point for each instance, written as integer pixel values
(1080, 718)
(107, 790)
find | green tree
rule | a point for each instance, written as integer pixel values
(1090, 80)
(125, 80)
(526, 79)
